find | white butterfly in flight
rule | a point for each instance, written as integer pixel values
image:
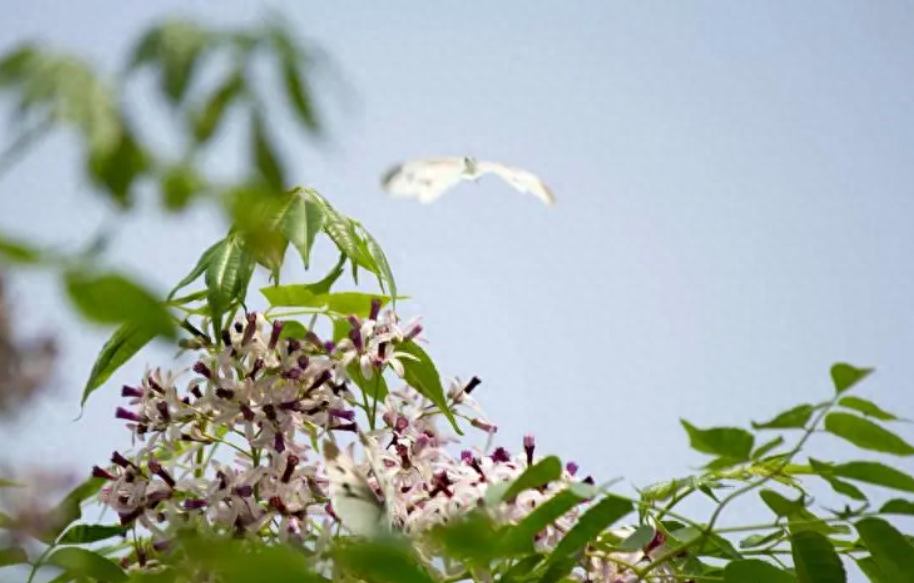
(353, 499)
(427, 179)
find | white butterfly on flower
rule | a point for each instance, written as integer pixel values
(353, 499)
(427, 179)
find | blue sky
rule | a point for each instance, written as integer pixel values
(734, 208)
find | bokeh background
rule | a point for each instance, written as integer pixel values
(734, 209)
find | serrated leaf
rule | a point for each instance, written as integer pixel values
(85, 563)
(223, 272)
(868, 408)
(728, 442)
(865, 434)
(385, 274)
(422, 375)
(755, 571)
(815, 559)
(200, 268)
(845, 376)
(539, 474)
(120, 347)
(889, 548)
(795, 418)
(898, 506)
(875, 473)
(302, 224)
(208, 119)
(89, 533)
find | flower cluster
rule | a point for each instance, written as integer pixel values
(269, 399)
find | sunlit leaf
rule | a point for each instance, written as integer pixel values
(89, 533)
(826, 472)
(815, 559)
(200, 267)
(302, 224)
(767, 447)
(539, 474)
(889, 548)
(422, 375)
(113, 299)
(729, 442)
(385, 274)
(121, 347)
(85, 563)
(865, 434)
(795, 418)
(756, 571)
(222, 276)
(845, 376)
(868, 408)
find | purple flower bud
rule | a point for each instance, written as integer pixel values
(323, 378)
(292, 374)
(129, 517)
(161, 546)
(375, 308)
(195, 391)
(270, 411)
(401, 424)
(466, 455)
(291, 462)
(292, 345)
(98, 472)
(154, 385)
(247, 413)
(414, 332)
(128, 391)
(480, 424)
(500, 455)
(258, 364)
(382, 352)
(201, 369)
(162, 408)
(589, 480)
(225, 393)
(279, 444)
(329, 346)
(572, 468)
(356, 336)
(244, 490)
(474, 382)
(274, 334)
(342, 414)
(346, 427)
(121, 413)
(303, 362)
(194, 504)
(529, 446)
(226, 338)
(156, 468)
(249, 329)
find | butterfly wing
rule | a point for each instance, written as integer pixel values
(425, 180)
(522, 180)
(353, 499)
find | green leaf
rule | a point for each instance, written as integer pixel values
(16, 64)
(779, 504)
(638, 539)
(113, 299)
(84, 563)
(208, 119)
(324, 285)
(180, 46)
(600, 516)
(872, 570)
(755, 571)
(69, 510)
(16, 252)
(293, 329)
(422, 375)
(868, 408)
(875, 473)
(714, 545)
(539, 474)
(758, 540)
(729, 442)
(201, 266)
(846, 376)
(179, 184)
(375, 387)
(302, 224)
(10, 484)
(519, 538)
(865, 434)
(826, 472)
(472, 537)
(767, 447)
(265, 158)
(898, 506)
(341, 231)
(343, 303)
(299, 96)
(13, 556)
(889, 548)
(90, 533)
(382, 563)
(385, 274)
(115, 169)
(223, 273)
(123, 344)
(815, 559)
(795, 418)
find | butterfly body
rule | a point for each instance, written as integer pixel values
(429, 178)
(353, 499)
